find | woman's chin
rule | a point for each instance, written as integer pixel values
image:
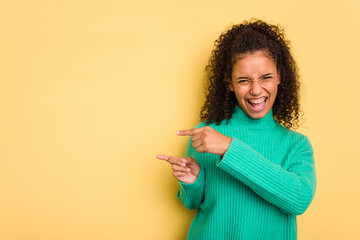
(257, 115)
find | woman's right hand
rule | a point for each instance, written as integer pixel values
(184, 169)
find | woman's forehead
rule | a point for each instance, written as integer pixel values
(259, 61)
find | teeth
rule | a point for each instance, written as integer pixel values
(256, 101)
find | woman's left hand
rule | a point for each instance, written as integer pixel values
(207, 139)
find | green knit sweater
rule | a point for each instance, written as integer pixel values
(266, 178)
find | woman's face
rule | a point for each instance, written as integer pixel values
(255, 80)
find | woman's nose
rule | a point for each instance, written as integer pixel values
(255, 88)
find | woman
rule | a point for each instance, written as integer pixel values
(245, 172)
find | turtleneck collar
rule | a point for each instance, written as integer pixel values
(240, 117)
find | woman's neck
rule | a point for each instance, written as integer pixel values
(240, 117)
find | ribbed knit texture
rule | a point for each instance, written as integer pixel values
(255, 191)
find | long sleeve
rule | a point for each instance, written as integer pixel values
(191, 195)
(291, 189)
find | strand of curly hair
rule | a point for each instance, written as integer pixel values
(251, 36)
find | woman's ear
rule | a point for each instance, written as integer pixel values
(230, 84)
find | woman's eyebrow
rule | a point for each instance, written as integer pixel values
(267, 74)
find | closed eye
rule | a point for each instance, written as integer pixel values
(243, 80)
(267, 76)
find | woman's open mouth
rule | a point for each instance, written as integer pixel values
(257, 104)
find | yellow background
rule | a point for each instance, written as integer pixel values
(91, 91)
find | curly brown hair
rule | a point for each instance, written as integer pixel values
(248, 37)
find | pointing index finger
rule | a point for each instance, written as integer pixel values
(163, 157)
(172, 160)
(188, 132)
